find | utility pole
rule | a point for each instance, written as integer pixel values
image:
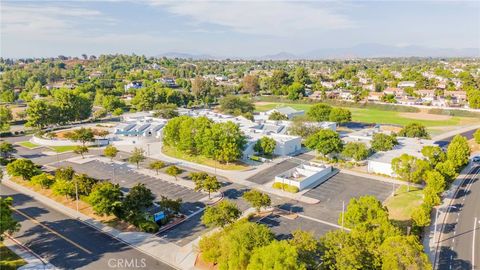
(473, 243)
(435, 233)
(76, 193)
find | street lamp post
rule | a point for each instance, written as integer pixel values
(76, 193)
(473, 243)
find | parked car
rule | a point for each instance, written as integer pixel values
(476, 159)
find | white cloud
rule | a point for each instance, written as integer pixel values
(37, 20)
(260, 17)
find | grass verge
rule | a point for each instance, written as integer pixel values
(172, 152)
(28, 144)
(401, 206)
(9, 260)
(63, 148)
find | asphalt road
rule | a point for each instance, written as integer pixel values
(457, 244)
(70, 244)
(445, 142)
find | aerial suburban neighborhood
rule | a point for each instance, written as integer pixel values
(117, 154)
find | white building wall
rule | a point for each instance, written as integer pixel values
(380, 168)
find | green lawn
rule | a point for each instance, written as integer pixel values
(28, 144)
(8, 259)
(63, 148)
(170, 151)
(401, 206)
(379, 116)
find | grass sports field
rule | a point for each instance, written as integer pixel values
(435, 123)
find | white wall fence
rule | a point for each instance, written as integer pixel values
(58, 142)
(313, 175)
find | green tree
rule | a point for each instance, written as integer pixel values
(296, 91)
(265, 146)
(434, 154)
(80, 150)
(364, 210)
(40, 114)
(156, 165)
(44, 180)
(236, 105)
(138, 199)
(421, 215)
(5, 118)
(250, 84)
(308, 248)
(409, 168)
(170, 206)
(82, 135)
(63, 187)
(7, 223)
(435, 181)
(277, 116)
(6, 149)
(325, 141)
(173, 171)
(276, 255)
(356, 150)
(447, 169)
(403, 252)
(24, 168)
(111, 152)
(301, 127)
(383, 142)
(207, 183)
(223, 213)
(240, 241)
(340, 115)
(458, 151)
(105, 198)
(320, 112)
(257, 199)
(64, 173)
(137, 156)
(340, 250)
(414, 130)
(476, 136)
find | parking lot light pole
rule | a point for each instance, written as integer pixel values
(76, 193)
(435, 233)
(473, 243)
(343, 214)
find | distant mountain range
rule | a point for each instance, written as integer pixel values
(370, 50)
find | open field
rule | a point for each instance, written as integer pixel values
(28, 144)
(401, 206)
(170, 151)
(435, 123)
(8, 259)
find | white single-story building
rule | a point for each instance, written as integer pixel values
(381, 162)
(305, 175)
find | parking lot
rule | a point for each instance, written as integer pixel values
(283, 227)
(127, 178)
(269, 174)
(338, 189)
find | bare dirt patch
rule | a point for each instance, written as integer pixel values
(261, 103)
(425, 116)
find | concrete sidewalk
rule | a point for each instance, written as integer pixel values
(162, 250)
(34, 261)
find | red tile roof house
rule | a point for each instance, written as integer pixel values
(375, 96)
(397, 92)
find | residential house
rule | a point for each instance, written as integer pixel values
(457, 97)
(426, 94)
(397, 92)
(375, 96)
(404, 84)
(134, 85)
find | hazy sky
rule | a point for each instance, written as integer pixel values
(230, 28)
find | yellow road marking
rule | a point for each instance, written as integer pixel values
(51, 230)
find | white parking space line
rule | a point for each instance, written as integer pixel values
(323, 222)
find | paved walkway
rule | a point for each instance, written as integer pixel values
(454, 132)
(33, 260)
